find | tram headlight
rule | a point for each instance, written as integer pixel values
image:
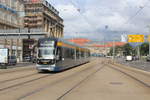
(38, 61)
(53, 61)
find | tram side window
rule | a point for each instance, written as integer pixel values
(78, 54)
(82, 53)
(88, 54)
(59, 54)
(72, 53)
(67, 53)
(85, 54)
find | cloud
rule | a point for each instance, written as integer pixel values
(88, 18)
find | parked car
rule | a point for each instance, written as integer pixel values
(148, 58)
(12, 60)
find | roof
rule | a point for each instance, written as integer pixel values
(110, 44)
(83, 41)
(79, 41)
(97, 45)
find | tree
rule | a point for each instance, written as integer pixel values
(144, 49)
(126, 49)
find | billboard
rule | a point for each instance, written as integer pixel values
(4, 55)
(135, 38)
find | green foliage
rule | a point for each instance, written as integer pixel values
(144, 49)
(127, 49)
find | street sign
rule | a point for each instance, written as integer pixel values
(135, 38)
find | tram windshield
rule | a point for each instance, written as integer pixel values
(46, 52)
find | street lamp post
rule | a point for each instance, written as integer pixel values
(149, 48)
(113, 49)
(149, 38)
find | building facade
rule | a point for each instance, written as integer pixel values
(11, 11)
(11, 17)
(41, 14)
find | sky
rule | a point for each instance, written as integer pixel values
(103, 19)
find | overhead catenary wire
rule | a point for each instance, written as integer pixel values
(79, 10)
(141, 8)
(132, 17)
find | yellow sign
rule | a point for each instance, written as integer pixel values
(135, 38)
(59, 43)
(148, 38)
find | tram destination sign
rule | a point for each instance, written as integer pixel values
(46, 43)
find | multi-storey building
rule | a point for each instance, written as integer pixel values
(11, 17)
(41, 14)
(11, 14)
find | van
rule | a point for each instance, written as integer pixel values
(129, 58)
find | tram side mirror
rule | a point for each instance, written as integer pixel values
(63, 59)
(57, 57)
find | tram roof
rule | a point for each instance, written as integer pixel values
(62, 40)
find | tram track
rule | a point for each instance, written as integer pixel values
(74, 82)
(76, 85)
(60, 81)
(67, 84)
(9, 87)
(129, 75)
(12, 87)
(15, 70)
(8, 80)
(82, 81)
(79, 83)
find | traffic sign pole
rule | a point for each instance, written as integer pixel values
(136, 38)
(139, 55)
(149, 48)
(149, 43)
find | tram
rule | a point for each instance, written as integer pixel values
(55, 54)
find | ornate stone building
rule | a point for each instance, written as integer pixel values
(41, 14)
(11, 17)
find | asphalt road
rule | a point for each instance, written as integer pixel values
(140, 64)
(93, 81)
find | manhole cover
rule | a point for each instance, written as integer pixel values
(116, 83)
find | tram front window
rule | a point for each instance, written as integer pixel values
(46, 52)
